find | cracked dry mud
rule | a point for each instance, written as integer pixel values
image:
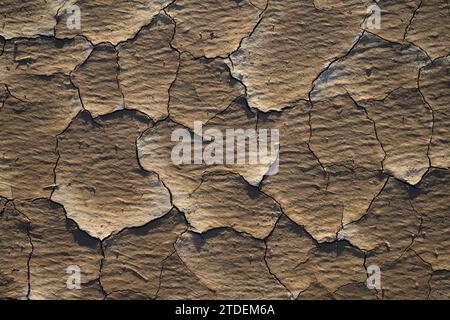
(87, 179)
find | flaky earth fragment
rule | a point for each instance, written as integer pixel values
(304, 200)
(40, 56)
(322, 196)
(97, 163)
(354, 188)
(299, 262)
(157, 151)
(238, 116)
(39, 92)
(334, 265)
(154, 149)
(387, 90)
(287, 247)
(27, 160)
(341, 133)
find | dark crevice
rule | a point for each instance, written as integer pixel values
(411, 20)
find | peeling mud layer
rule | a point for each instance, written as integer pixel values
(98, 97)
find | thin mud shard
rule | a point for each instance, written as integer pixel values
(342, 134)
(300, 170)
(404, 124)
(373, 69)
(100, 182)
(27, 159)
(288, 246)
(216, 195)
(41, 56)
(371, 74)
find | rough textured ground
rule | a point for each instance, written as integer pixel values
(87, 180)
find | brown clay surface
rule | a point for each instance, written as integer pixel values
(89, 187)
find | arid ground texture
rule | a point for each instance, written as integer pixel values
(355, 203)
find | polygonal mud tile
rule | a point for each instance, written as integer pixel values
(227, 200)
(203, 88)
(212, 28)
(111, 21)
(60, 251)
(434, 81)
(431, 200)
(148, 67)
(291, 46)
(15, 250)
(97, 81)
(135, 257)
(99, 180)
(231, 264)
